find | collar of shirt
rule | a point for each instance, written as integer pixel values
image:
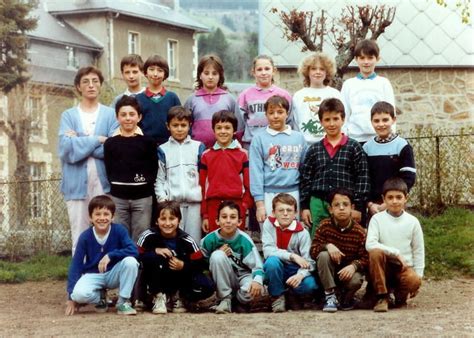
(149, 93)
(291, 227)
(390, 138)
(233, 145)
(332, 150)
(270, 89)
(186, 140)
(137, 131)
(274, 132)
(210, 98)
(129, 93)
(370, 77)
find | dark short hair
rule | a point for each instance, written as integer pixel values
(101, 202)
(131, 60)
(180, 113)
(382, 107)
(277, 100)
(171, 206)
(340, 191)
(127, 100)
(210, 60)
(86, 71)
(331, 105)
(395, 183)
(224, 116)
(156, 60)
(367, 47)
(229, 204)
(285, 199)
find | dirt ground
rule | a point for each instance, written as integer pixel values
(442, 308)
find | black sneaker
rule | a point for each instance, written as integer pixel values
(102, 305)
(348, 305)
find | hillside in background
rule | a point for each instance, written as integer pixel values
(234, 38)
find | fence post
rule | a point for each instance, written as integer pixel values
(439, 201)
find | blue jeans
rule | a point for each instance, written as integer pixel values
(277, 272)
(122, 275)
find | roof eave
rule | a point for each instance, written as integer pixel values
(111, 10)
(56, 42)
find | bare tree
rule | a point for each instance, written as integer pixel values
(344, 32)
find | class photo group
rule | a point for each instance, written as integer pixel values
(222, 203)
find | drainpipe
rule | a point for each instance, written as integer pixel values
(110, 35)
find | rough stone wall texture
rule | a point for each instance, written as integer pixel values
(442, 97)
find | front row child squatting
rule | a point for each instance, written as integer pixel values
(234, 261)
(173, 264)
(396, 248)
(105, 258)
(339, 250)
(288, 266)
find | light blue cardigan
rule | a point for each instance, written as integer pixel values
(74, 151)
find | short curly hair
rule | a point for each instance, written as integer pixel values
(312, 60)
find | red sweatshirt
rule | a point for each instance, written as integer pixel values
(224, 174)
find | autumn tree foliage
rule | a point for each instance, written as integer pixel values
(316, 29)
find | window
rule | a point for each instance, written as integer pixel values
(173, 59)
(36, 113)
(133, 43)
(72, 61)
(37, 198)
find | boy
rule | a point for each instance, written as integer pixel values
(173, 264)
(131, 164)
(336, 161)
(362, 91)
(223, 171)
(275, 156)
(155, 101)
(131, 67)
(82, 132)
(234, 261)
(339, 249)
(388, 155)
(105, 258)
(286, 245)
(178, 171)
(396, 248)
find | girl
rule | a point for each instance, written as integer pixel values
(172, 262)
(251, 100)
(210, 96)
(317, 70)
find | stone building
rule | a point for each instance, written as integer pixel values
(427, 53)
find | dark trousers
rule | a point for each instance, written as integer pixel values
(158, 277)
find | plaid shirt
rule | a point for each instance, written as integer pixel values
(347, 169)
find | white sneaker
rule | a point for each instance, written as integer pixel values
(225, 306)
(159, 304)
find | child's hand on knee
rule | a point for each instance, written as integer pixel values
(295, 280)
(346, 273)
(103, 264)
(255, 289)
(297, 259)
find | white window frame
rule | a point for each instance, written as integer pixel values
(71, 58)
(37, 194)
(173, 52)
(133, 39)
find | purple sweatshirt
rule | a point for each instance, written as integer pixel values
(203, 105)
(252, 113)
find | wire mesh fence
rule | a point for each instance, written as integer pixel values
(33, 217)
(33, 214)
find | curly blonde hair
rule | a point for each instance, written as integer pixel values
(312, 60)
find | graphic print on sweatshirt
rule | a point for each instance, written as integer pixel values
(313, 126)
(284, 156)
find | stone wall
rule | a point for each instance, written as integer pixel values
(426, 97)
